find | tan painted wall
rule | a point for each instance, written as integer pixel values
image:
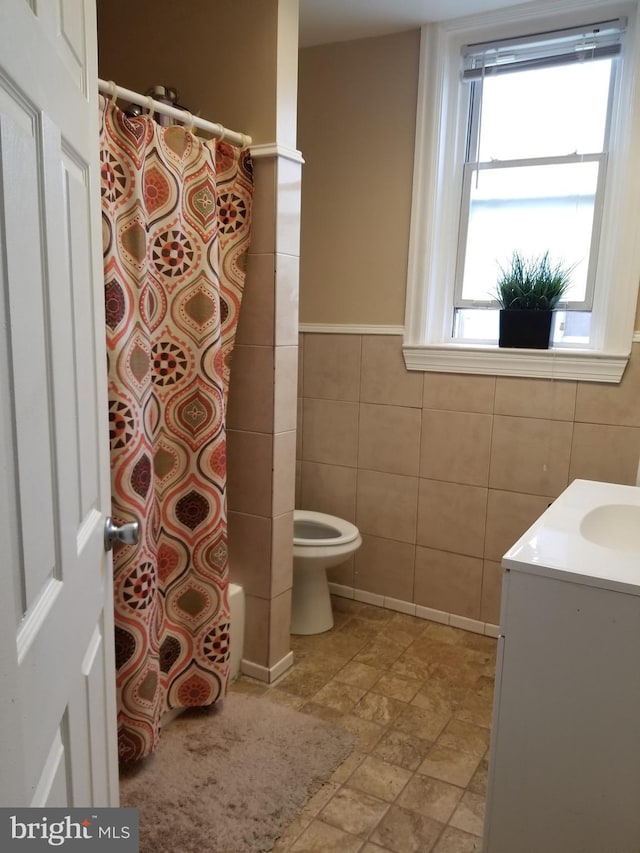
(220, 55)
(356, 127)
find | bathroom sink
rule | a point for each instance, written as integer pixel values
(614, 526)
(590, 531)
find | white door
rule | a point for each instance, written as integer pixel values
(57, 693)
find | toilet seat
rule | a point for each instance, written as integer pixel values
(335, 531)
(320, 542)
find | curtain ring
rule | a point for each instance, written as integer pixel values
(149, 105)
(189, 124)
(113, 91)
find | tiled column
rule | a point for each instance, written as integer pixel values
(262, 415)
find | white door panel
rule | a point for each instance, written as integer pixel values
(57, 708)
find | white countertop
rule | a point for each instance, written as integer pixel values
(589, 534)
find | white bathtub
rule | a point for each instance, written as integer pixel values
(236, 604)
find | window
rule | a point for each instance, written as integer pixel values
(524, 143)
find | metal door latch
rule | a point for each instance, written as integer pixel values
(125, 533)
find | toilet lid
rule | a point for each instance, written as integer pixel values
(318, 528)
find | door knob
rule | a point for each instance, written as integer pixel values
(125, 533)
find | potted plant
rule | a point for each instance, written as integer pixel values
(527, 291)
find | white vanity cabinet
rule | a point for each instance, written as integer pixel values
(564, 769)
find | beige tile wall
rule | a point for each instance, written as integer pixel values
(262, 414)
(442, 473)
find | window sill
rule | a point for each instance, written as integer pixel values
(583, 365)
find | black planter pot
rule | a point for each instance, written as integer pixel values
(524, 328)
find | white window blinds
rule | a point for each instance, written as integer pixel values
(577, 44)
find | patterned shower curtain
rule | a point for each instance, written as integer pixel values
(175, 216)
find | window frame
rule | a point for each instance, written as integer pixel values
(441, 124)
(472, 162)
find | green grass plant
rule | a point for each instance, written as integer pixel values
(534, 284)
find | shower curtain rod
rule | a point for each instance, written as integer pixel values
(239, 140)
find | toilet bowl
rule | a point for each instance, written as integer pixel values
(320, 541)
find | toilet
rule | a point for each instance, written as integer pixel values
(320, 541)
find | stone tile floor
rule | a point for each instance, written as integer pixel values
(417, 697)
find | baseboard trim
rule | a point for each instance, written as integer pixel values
(474, 626)
(266, 674)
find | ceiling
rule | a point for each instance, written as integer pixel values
(323, 21)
